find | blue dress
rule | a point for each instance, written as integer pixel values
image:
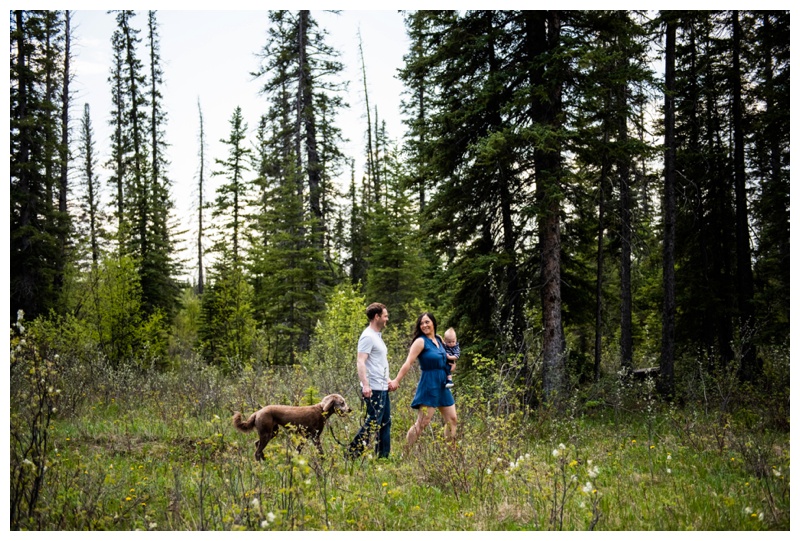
(431, 391)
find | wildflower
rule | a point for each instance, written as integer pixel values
(555, 452)
(270, 516)
(562, 446)
(384, 484)
(127, 498)
(264, 523)
(587, 487)
(669, 456)
(593, 472)
(308, 481)
(776, 473)
(633, 441)
(761, 516)
(573, 463)
(652, 447)
(748, 510)
(488, 471)
(153, 525)
(254, 503)
(669, 470)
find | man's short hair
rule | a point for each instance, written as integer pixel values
(375, 309)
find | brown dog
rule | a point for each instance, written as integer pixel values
(309, 420)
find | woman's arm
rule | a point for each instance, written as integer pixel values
(413, 353)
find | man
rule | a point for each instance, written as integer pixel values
(373, 373)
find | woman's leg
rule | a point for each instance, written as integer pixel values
(451, 421)
(424, 416)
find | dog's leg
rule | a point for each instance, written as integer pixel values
(318, 443)
(260, 444)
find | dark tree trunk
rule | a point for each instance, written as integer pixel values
(543, 31)
(667, 377)
(748, 370)
(626, 227)
(63, 215)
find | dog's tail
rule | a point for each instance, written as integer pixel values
(244, 426)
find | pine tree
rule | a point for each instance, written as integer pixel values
(768, 146)
(92, 215)
(230, 205)
(34, 231)
(394, 259)
(158, 266)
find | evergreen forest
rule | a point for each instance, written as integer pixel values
(597, 201)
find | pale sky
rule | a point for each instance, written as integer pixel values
(209, 55)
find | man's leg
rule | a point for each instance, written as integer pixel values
(384, 444)
(359, 443)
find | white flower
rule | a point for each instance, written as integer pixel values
(562, 446)
(761, 516)
(308, 481)
(254, 503)
(593, 472)
(748, 510)
(555, 452)
(776, 473)
(153, 525)
(264, 523)
(270, 516)
(488, 471)
(669, 470)
(669, 457)
(587, 487)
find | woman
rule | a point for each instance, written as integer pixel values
(431, 391)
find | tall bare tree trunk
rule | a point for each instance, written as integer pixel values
(667, 377)
(200, 185)
(748, 369)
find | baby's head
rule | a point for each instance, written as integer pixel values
(450, 339)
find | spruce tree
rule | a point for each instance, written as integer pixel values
(34, 235)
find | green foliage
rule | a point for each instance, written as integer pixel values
(156, 451)
(333, 344)
(33, 402)
(186, 325)
(227, 327)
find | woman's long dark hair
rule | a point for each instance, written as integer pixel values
(418, 331)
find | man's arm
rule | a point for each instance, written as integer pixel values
(361, 366)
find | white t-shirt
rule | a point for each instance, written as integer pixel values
(377, 362)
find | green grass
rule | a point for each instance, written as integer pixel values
(128, 469)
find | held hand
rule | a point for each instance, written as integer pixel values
(393, 385)
(367, 392)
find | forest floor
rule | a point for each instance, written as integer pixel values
(144, 457)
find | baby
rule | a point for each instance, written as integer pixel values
(453, 351)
